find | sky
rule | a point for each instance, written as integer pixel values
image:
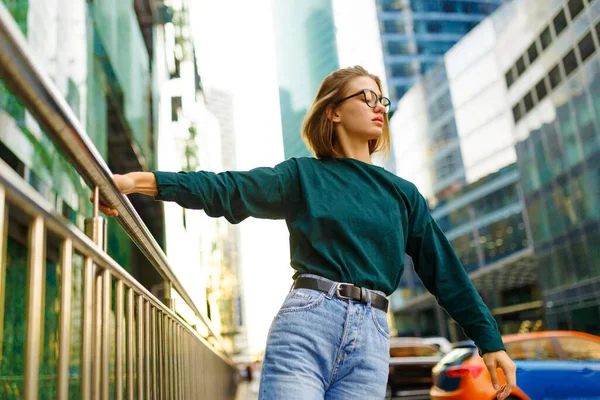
(235, 48)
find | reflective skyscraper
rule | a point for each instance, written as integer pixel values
(502, 139)
(306, 52)
(415, 34)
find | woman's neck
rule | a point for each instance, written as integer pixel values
(357, 151)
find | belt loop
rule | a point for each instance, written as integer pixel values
(332, 290)
(367, 294)
(292, 287)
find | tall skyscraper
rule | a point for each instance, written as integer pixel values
(415, 34)
(306, 52)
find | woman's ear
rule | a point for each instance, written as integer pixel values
(332, 114)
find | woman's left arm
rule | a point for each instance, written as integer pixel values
(444, 276)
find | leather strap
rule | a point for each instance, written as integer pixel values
(343, 291)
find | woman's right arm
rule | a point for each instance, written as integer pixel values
(261, 192)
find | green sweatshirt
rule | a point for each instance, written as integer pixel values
(349, 221)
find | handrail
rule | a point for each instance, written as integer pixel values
(42, 99)
(152, 349)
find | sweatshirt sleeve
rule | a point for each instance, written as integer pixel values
(235, 195)
(444, 276)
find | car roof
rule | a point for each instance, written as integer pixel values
(464, 343)
(441, 342)
(548, 334)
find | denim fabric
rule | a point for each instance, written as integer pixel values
(323, 347)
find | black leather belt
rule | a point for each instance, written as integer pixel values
(343, 291)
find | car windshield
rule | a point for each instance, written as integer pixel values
(580, 349)
(457, 356)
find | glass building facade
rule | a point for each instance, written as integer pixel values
(306, 53)
(553, 82)
(116, 66)
(502, 139)
(415, 34)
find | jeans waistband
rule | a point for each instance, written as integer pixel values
(329, 280)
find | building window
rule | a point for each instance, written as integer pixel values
(532, 53)
(434, 48)
(393, 26)
(434, 27)
(426, 66)
(528, 101)
(399, 47)
(449, 6)
(517, 112)
(560, 22)
(554, 76)
(402, 70)
(175, 107)
(510, 77)
(546, 38)
(520, 66)
(466, 249)
(586, 46)
(392, 5)
(575, 7)
(570, 62)
(401, 91)
(541, 90)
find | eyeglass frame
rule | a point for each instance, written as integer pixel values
(364, 93)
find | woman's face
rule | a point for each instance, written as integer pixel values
(354, 117)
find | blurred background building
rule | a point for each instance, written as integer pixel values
(502, 138)
(306, 52)
(129, 72)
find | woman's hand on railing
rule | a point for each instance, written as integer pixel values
(133, 182)
(125, 184)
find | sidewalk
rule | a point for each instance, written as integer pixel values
(247, 391)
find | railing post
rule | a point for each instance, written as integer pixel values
(95, 227)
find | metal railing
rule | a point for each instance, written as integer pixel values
(130, 343)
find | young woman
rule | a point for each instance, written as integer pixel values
(350, 224)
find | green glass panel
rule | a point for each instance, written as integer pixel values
(49, 362)
(591, 193)
(593, 241)
(568, 130)
(538, 220)
(12, 358)
(585, 123)
(76, 321)
(18, 9)
(126, 64)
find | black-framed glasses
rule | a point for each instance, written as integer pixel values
(371, 98)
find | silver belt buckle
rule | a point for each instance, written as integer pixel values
(337, 291)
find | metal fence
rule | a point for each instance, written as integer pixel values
(114, 338)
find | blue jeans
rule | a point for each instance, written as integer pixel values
(324, 347)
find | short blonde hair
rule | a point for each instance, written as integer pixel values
(318, 130)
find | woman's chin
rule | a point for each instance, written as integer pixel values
(375, 134)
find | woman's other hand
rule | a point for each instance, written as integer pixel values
(499, 359)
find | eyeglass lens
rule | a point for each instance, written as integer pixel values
(371, 99)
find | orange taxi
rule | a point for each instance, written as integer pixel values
(557, 364)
